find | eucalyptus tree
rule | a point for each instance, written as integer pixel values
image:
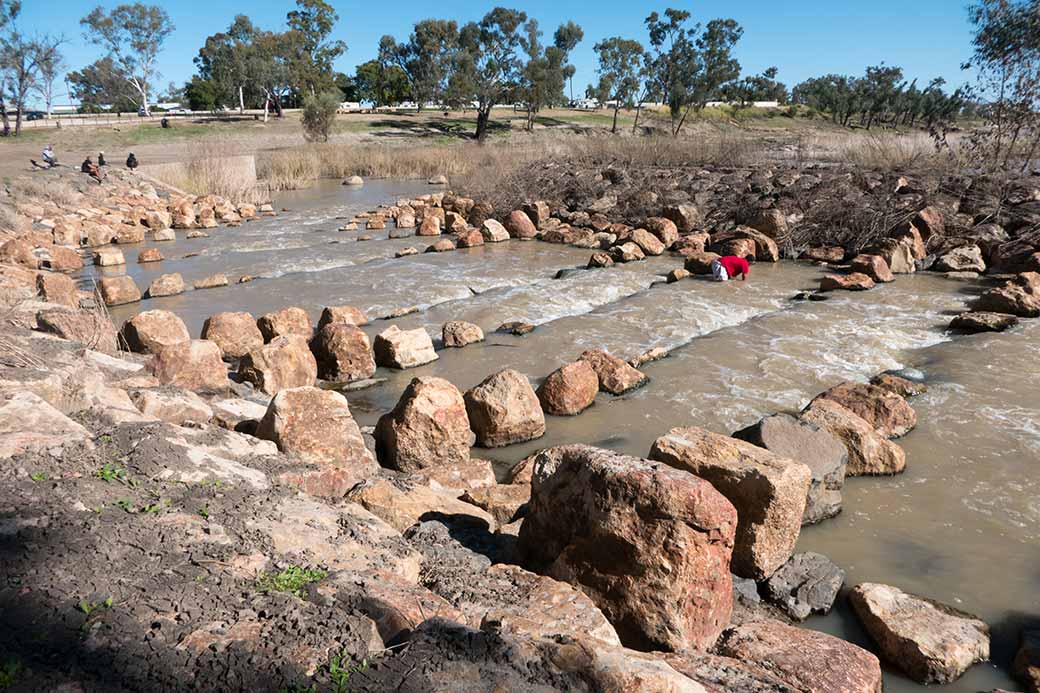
(133, 36)
(426, 59)
(620, 69)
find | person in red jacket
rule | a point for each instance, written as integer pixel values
(728, 267)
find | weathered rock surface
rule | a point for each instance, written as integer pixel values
(929, 641)
(869, 452)
(673, 590)
(152, 330)
(974, 322)
(459, 333)
(1020, 296)
(429, 427)
(874, 266)
(1026, 667)
(177, 407)
(888, 413)
(569, 390)
(194, 365)
(286, 362)
(397, 348)
(821, 452)
(504, 409)
(57, 288)
(493, 231)
(235, 333)
(805, 659)
(347, 314)
(342, 353)
(829, 254)
(402, 504)
(287, 321)
(768, 491)
(898, 385)
(166, 285)
(90, 328)
(615, 375)
(505, 502)
(807, 584)
(965, 258)
(856, 281)
(117, 291)
(28, 423)
(317, 426)
(519, 225)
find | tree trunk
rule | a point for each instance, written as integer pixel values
(267, 105)
(241, 100)
(635, 125)
(18, 122)
(613, 128)
(483, 116)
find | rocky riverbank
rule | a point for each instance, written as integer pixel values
(184, 513)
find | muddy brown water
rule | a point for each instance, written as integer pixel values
(961, 525)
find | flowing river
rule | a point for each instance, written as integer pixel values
(961, 525)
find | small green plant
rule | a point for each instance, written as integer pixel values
(292, 580)
(204, 512)
(90, 607)
(38, 476)
(124, 505)
(341, 669)
(109, 473)
(9, 671)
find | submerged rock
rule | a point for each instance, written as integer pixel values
(673, 590)
(459, 333)
(768, 491)
(615, 375)
(929, 641)
(1020, 296)
(856, 281)
(974, 322)
(569, 390)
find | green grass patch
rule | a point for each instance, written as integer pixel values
(9, 670)
(292, 580)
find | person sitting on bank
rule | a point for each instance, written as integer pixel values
(101, 159)
(728, 267)
(91, 169)
(48, 156)
(131, 161)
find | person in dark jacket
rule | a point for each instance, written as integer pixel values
(131, 161)
(101, 159)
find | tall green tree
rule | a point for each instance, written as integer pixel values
(426, 59)
(223, 62)
(489, 62)
(380, 84)
(312, 49)
(567, 37)
(133, 36)
(543, 75)
(98, 85)
(620, 65)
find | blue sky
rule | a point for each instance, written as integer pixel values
(803, 38)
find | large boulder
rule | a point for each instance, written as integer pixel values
(768, 491)
(665, 230)
(771, 222)
(493, 231)
(974, 322)
(519, 225)
(29, 424)
(807, 660)
(888, 413)
(672, 590)
(1020, 296)
(235, 333)
(166, 285)
(1026, 667)
(821, 452)
(459, 333)
(316, 426)
(343, 353)
(569, 390)
(869, 452)
(117, 291)
(931, 642)
(194, 365)
(92, 329)
(807, 584)
(874, 266)
(178, 407)
(647, 242)
(429, 427)
(397, 348)
(685, 216)
(965, 258)
(286, 321)
(615, 375)
(504, 409)
(109, 257)
(347, 314)
(855, 281)
(151, 331)
(57, 288)
(286, 362)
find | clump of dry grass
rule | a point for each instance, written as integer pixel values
(57, 191)
(896, 152)
(215, 168)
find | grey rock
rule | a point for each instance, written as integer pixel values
(806, 584)
(826, 457)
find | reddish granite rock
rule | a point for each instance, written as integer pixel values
(286, 321)
(1020, 296)
(235, 333)
(117, 291)
(151, 331)
(459, 333)
(166, 285)
(428, 427)
(286, 362)
(855, 281)
(503, 409)
(519, 225)
(347, 314)
(673, 590)
(869, 452)
(397, 348)
(194, 365)
(343, 353)
(888, 413)
(57, 288)
(828, 253)
(874, 266)
(699, 262)
(569, 390)
(615, 375)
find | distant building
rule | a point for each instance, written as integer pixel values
(753, 104)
